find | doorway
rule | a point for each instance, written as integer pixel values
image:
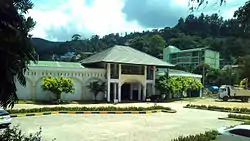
(125, 91)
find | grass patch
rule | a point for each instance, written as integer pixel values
(192, 99)
(26, 102)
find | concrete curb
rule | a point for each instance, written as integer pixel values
(234, 119)
(92, 112)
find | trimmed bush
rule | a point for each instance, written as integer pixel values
(222, 109)
(109, 108)
(239, 116)
(246, 123)
(207, 136)
(15, 134)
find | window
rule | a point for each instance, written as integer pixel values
(195, 60)
(150, 73)
(183, 60)
(173, 55)
(133, 69)
(241, 132)
(195, 53)
(114, 71)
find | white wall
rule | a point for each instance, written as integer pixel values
(80, 77)
(24, 92)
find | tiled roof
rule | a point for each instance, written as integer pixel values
(125, 54)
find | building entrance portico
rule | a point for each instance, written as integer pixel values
(129, 72)
(125, 80)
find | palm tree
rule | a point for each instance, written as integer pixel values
(96, 87)
(16, 50)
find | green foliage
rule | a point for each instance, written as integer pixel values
(239, 116)
(106, 108)
(244, 63)
(15, 134)
(202, 67)
(58, 85)
(217, 108)
(243, 15)
(168, 84)
(152, 45)
(16, 50)
(96, 87)
(207, 136)
(222, 77)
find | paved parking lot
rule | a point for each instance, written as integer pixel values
(151, 127)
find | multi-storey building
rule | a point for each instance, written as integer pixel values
(191, 57)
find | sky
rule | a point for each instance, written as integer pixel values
(58, 20)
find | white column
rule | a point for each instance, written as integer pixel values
(119, 92)
(144, 92)
(33, 90)
(115, 90)
(153, 85)
(108, 82)
(145, 84)
(139, 91)
(201, 91)
(131, 91)
(119, 84)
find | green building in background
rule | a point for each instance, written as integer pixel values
(190, 58)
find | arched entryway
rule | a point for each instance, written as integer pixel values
(131, 91)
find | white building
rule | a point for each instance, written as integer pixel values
(129, 74)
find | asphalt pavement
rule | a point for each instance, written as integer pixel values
(150, 127)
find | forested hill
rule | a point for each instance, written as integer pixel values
(225, 36)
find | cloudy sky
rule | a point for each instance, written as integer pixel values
(58, 20)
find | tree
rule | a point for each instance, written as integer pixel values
(245, 65)
(196, 4)
(171, 85)
(162, 84)
(156, 45)
(96, 87)
(58, 86)
(139, 43)
(76, 37)
(16, 50)
(202, 68)
(243, 16)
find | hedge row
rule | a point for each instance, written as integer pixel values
(221, 109)
(239, 116)
(109, 108)
(207, 136)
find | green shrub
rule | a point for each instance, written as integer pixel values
(222, 109)
(239, 116)
(15, 134)
(109, 108)
(207, 136)
(246, 123)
